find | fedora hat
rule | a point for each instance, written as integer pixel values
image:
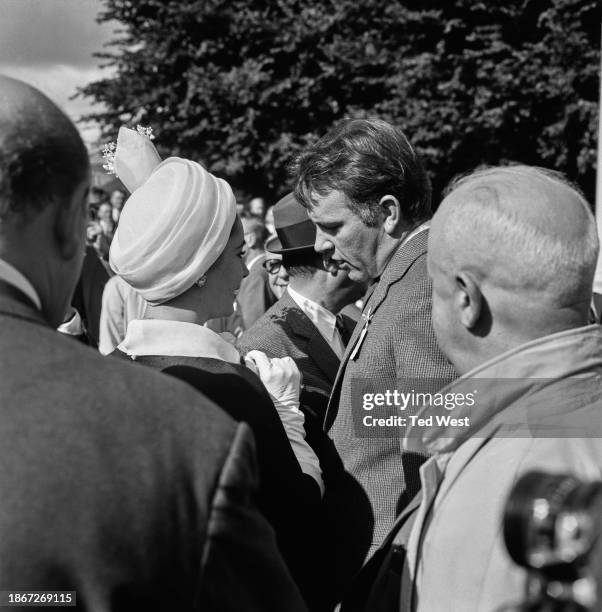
(294, 230)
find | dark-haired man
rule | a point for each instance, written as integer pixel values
(117, 200)
(254, 296)
(368, 194)
(118, 483)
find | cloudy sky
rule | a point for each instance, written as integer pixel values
(49, 44)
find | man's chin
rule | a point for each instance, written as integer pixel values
(357, 276)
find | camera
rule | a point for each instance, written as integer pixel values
(551, 524)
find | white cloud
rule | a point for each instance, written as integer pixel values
(49, 44)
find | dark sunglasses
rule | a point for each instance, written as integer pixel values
(272, 265)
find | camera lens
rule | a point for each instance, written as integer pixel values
(552, 521)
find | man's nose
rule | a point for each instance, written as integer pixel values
(283, 274)
(322, 243)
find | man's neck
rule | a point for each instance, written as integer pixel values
(313, 290)
(396, 242)
(385, 256)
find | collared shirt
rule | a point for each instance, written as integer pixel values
(324, 320)
(421, 228)
(120, 305)
(73, 326)
(417, 230)
(9, 274)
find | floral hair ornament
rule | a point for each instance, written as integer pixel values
(202, 281)
(133, 158)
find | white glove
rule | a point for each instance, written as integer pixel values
(282, 379)
(280, 376)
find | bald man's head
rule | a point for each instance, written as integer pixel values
(524, 242)
(44, 179)
(42, 157)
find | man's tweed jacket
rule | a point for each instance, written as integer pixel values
(254, 295)
(398, 350)
(123, 484)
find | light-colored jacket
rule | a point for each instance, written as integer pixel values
(538, 407)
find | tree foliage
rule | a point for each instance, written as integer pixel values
(242, 84)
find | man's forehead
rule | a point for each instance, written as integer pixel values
(330, 207)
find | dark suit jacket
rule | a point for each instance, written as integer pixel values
(286, 331)
(400, 351)
(87, 298)
(289, 498)
(254, 296)
(384, 584)
(124, 485)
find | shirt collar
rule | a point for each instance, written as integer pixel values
(322, 318)
(12, 276)
(175, 338)
(418, 230)
(531, 366)
(398, 252)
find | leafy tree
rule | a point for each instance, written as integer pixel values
(242, 84)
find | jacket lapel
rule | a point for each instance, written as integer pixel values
(321, 352)
(357, 328)
(401, 261)
(317, 348)
(403, 258)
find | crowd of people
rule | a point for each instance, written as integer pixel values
(104, 211)
(196, 394)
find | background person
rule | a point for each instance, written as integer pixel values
(277, 274)
(120, 305)
(257, 207)
(254, 296)
(303, 324)
(117, 200)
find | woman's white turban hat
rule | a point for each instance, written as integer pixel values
(175, 224)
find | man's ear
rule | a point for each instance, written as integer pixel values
(469, 299)
(69, 225)
(392, 213)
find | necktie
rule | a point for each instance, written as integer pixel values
(342, 329)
